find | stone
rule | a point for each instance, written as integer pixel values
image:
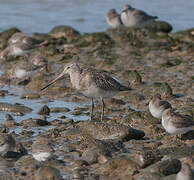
(104, 131)
(44, 110)
(48, 173)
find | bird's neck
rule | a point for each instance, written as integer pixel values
(75, 78)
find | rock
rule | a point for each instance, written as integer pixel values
(120, 167)
(59, 109)
(93, 149)
(41, 122)
(14, 108)
(6, 175)
(28, 122)
(104, 131)
(9, 121)
(30, 96)
(26, 165)
(174, 150)
(64, 31)
(188, 135)
(3, 93)
(143, 117)
(48, 173)
(133, 76)
(92, 155)
(160, 169)
(164, 89)
(170, 177)
(159, 26)
(12, 155)
(125, 34)
(145, 158)
(44, 110)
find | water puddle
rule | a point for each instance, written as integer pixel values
(14, 95)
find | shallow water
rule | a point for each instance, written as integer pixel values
(36, 105)
(86, 16)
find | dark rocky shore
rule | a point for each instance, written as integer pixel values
(129, 144)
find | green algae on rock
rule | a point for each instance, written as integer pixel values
(64, 31)
(104, 131)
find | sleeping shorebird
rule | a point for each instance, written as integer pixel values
(18, 49)
(91, 83)
(21, 37)
(157, 106)
(132, 17)
(175, 123)
(113, 19)
(20, 44)
(24, 70)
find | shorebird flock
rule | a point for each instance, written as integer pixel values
(172, 122)
(92, 84)
(129, 17)
(21, 44)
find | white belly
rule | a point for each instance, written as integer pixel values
(128, 20)
(42, 156)
(4, 148)
(156, 112)
(20, 73)
(114, 23)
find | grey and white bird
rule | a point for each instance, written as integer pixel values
(42, 150)
(23, 38)
(186, 173)
(25, 69)
(91, 83)
(175, 123)
(18, 49)
(157, 106)
(132, 17)
(113, 19)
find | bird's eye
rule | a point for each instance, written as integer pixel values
(68, 67)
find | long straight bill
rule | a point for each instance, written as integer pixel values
(53, 81)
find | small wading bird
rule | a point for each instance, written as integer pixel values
(23, 38)
(113, 19)
(42, 149)
(132, 17)
(157, 106)
(175, 123)
(91, 83)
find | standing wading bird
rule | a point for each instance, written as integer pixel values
(132, 17)
(91, 83)
(113, 19)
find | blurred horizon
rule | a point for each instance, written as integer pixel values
(41, 16)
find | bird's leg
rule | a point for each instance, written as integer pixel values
(103, 105)
(92, 109)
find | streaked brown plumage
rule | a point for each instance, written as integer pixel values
(91, 83)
